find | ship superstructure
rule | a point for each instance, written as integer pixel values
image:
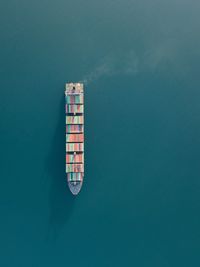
(74, 108)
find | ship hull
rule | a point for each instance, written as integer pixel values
(75, 187)
(74, 108)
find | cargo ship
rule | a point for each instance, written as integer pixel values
(74, 110)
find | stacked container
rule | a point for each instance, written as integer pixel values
(74, 108)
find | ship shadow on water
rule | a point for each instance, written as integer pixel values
(60, 199)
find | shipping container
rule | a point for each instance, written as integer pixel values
(71, 167)
(70, 147)
(74, 157)
(74, 128)
(74, 99)
(74, 137)
(75, 176)
(74, 119)
(74, 108)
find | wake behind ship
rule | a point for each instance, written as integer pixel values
(74, 108)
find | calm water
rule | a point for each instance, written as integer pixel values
(140, 202)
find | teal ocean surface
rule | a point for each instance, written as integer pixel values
(140, 201)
